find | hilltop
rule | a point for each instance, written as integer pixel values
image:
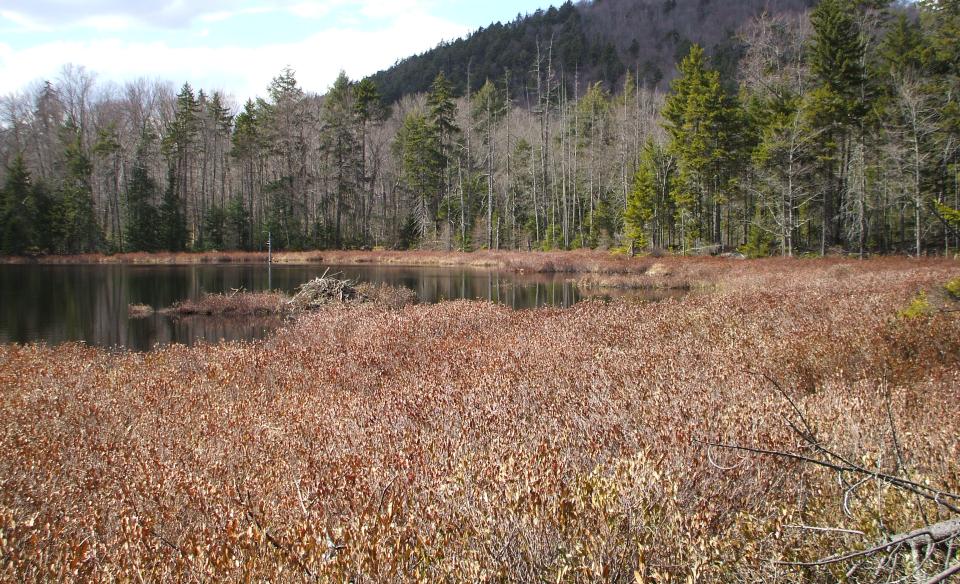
(598, 40)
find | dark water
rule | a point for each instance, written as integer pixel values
(89, 303)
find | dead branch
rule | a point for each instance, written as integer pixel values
(927, 536)
(942, 576)
(929, 493)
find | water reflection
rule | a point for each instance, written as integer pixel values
(89, 303)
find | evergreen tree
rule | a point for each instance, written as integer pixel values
(180, 146)
(368, 110)
(77, 228)
(214, 228)
(283, 222)
(421, 170)
(237, 225)
(837, 106)
(142, 218)
(707, 132)
(442, 111)
(173, 224)
(649, 198)
(489, 108)
(341, 145)
(18, 211)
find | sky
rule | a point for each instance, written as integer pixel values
(232, 46)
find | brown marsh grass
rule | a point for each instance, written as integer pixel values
(547, 262)
(237, 304)
(468, 442)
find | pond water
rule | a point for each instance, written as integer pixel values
(54, 304)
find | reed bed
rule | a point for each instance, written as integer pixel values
(468, 442)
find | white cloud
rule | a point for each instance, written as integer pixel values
(35, 15)
(23, 21)
(244, 71)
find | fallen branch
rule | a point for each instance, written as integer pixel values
(942, 576)
(927, 536)
(929, 493)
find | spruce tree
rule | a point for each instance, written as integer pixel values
(18, 210)
(77, 227)
(442, 112)
(173, 224)
(141, 216)
(420, 170)
(706, 129)
(837, 106)
(649, 196)
(214, 228)
(340, 142)
(237, 225)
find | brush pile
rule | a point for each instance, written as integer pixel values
(322, 291)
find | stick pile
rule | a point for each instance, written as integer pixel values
(322, 291)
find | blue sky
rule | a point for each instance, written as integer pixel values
(233, 46)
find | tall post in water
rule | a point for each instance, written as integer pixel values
(269, 261)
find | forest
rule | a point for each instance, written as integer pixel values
(830, 130)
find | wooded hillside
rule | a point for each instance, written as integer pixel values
(590, 41)
(834, 130)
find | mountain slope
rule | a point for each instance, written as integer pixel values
(591, 41)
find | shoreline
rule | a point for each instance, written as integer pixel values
(572, 262)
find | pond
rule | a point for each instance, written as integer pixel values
(54, 304)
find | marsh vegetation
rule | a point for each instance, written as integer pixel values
(468, 441)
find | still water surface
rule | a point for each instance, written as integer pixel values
(54, 304)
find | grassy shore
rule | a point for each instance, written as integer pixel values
(468, 442)
(541, 262)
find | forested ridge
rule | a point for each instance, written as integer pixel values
(832, 129)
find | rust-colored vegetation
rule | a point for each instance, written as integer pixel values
(136, 311)
(237, 304)
(311, 295)
(468, 442)
(580, 261)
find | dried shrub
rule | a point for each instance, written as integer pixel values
(240, 304)
(387, 295)
(465, 441)
(137, 311)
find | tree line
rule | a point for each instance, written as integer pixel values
(838, 131)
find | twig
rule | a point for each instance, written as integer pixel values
(828, 529)
(942, 576)
(276, 543)
(893, 429)
(793, 404)
(934, 534)
(922, 490)
(719, 466)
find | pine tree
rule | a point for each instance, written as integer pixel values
(442, 112)
(341, 145)
(77, 227)
(142, 218)
(707, 131)
(837, 106)
(649, 198)
(18, 210)
(173, 224)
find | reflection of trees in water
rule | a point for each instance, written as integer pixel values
(89, 303)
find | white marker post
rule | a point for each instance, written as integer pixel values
(269, 262)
